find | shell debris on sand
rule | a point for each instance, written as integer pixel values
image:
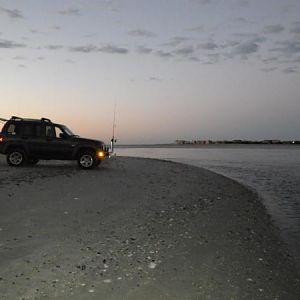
(152, 265)
(107, 280)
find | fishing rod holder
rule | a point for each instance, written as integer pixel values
(112, 145)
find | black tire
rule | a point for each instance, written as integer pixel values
(86, 160)
(33, 161)
(16, 157)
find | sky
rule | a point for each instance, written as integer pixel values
(176, 69)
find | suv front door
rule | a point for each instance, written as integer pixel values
(59, 145)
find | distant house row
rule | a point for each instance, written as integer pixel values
(208, 142)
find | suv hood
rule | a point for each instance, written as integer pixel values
(88, 141)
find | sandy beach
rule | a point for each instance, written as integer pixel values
(136, 229)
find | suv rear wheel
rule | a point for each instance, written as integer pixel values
(86, 160)
(16, 157)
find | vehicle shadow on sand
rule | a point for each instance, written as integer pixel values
(43, 170)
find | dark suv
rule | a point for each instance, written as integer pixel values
(29, 140)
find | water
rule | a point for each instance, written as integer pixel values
(273, 171)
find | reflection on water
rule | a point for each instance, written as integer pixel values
(274, 172)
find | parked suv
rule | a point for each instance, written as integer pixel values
(29, 140)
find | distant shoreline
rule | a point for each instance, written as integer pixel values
(195, 146)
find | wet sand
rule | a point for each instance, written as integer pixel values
(136, 229)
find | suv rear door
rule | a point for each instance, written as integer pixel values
(33, 138)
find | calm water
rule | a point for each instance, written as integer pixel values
(273, 171)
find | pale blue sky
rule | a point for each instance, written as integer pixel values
(178, 69)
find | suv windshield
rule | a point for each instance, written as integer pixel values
(67, 130)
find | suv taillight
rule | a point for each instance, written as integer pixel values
(1, 139)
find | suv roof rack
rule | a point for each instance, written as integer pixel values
(16, 118)
(46, 120)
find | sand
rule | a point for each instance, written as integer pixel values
(136, 229)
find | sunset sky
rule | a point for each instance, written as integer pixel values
(178, 69)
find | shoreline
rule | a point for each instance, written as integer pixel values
(272, 172)
(209, 146)
(140, 228)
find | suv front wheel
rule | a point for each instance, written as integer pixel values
(86, 160)
(16, 157)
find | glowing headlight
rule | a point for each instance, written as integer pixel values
(101, 154)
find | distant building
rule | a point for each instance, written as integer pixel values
(237, 141)
(182, 142)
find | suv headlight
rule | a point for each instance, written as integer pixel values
(101, 154)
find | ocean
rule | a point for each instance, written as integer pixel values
(273, 171)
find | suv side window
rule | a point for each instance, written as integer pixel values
(58, 132)
(32, 130)
(28, 130)
(39, 130)
(12, 129)
(53, 131)
(50, 132)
